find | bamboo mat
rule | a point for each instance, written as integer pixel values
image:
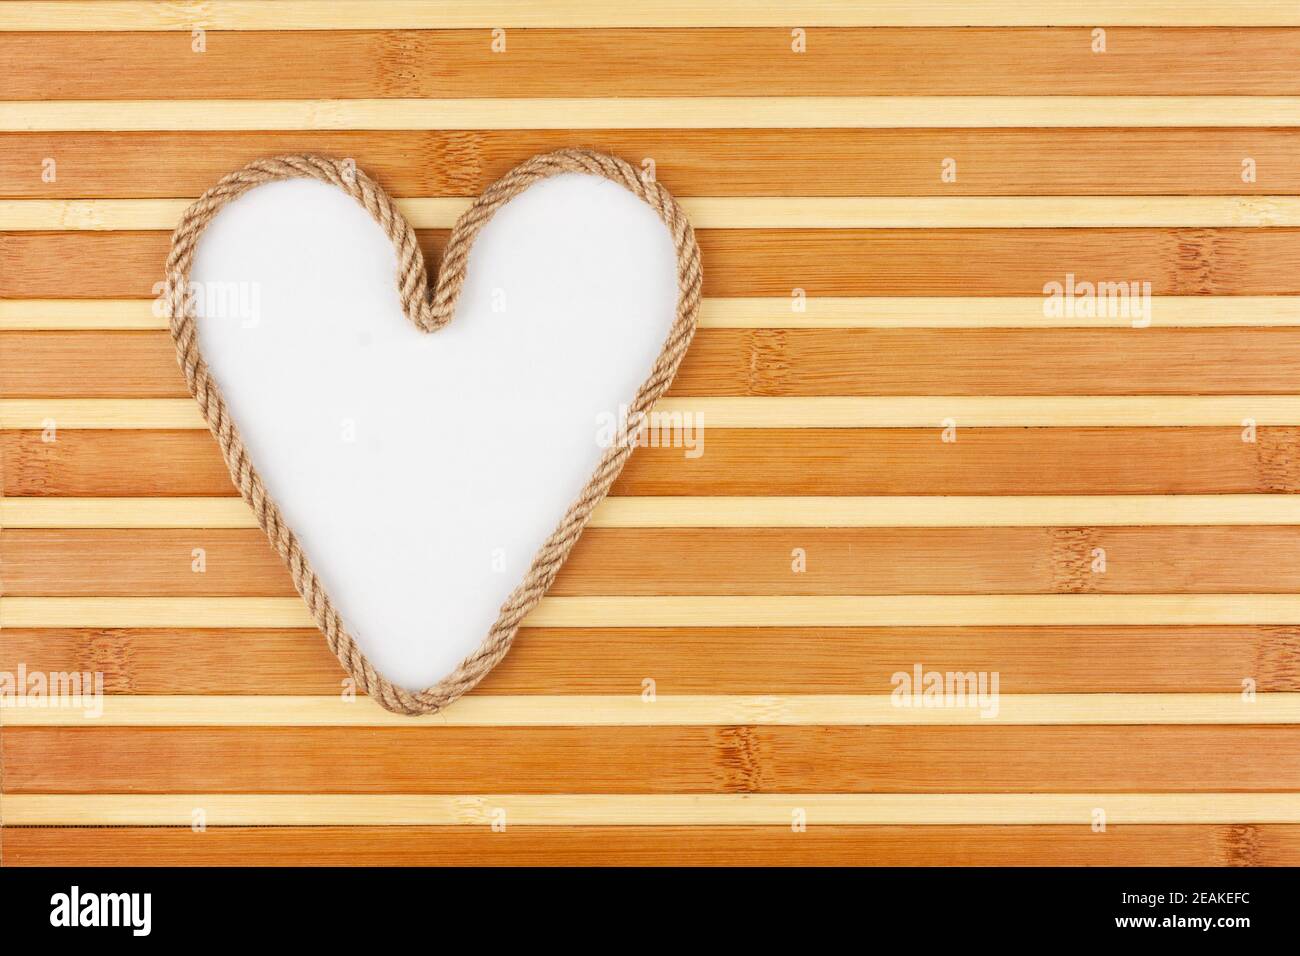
(1113, 532)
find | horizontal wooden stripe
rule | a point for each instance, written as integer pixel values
(1031, 660)
(747, 462)
(704, 561)
(628, 62)
(681, 511)
(687, 112)
(821, 262)
(1062, 845)
(844, 611)
(729, 162)
(771, 312)
(166, 413)
(462, 14)
(822, 363)
(969, 312)
(630, 709)
(744, 759)
(751, 809)
(793, 212)
(922, 610)
(817, 412)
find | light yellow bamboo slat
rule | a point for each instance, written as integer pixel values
(118, 710)
(699, 112)
(942, 610)
(100, 413)
(67, 314)
(976, 312)
(765, 212)
(922, 411)
(877, 312)
(486, 14)
(911, 610)
(816, 809)
(946, 511)
(686, 511)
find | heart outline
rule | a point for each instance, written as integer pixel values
(428, 310)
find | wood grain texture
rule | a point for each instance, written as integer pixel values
(822, 262)
(631, 62)
(664, 760)
(1030, 660)
(743, 162)
(1124, 845)
(778, 362)
(833, 461)
(703, 561)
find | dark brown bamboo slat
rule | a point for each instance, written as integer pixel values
(786, 362)
(705, 561)
(1121, 845)
(742, 759)
(741, 162)
(792, 461)
(771, 262)
(649, 62)
(777, 660)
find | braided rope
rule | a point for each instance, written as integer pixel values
(429, 310)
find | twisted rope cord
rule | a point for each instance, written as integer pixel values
(429, 310)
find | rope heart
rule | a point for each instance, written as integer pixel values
(429, 310)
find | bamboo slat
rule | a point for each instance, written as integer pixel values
(1063, 460)
(725, 363)
(1079, 659)
(462, 14)
(823, 413)
(919, 610)
(1103, 161)
(774, 313)
(715, 512)
(678, 759)
(662, 112)
(633, 710)
(751, 809)
(821, 262)
(629, 62)
(792, 212)
(704, 561)
(1004, 845)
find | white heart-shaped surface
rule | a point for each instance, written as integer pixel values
(421, 472)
